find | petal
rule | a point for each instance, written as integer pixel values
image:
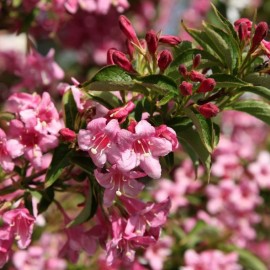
(14, 148)
(151, 166)
(127, 161)
(84, 139)
(160, 146)
(144, 129)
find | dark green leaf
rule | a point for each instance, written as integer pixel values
(46, 199)
(108, 99)
(90, 206)
(165, 99)
(258, 79)
(70, 110)
(259, 109)
(84, 162)
(226, 80)
(60, 160)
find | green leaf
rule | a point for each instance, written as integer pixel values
(90, 206)
(227, 26)
(226, 80)
(196, 148)
(258, 79)
(246, 258)
(46, 199)
(160, 83)
(259, 109)
(165, 99)
(108, 99)
(83, 161)
(204, 128)
(70, 110)
(7, 116)
(60, 160)
(183, 46)
(258, 90)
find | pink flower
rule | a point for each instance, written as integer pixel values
(117, 183)
(143, 147)
(6, 240)
(121, 113)
(21, 224)
(211, 260)
(98, 138)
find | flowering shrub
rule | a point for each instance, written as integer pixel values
(158, 103)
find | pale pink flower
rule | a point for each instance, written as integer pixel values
(211, 260)
(117, 183)
(21, 224)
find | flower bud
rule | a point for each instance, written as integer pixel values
(152, 41)
(245, 21)
(208, 110)
(170, 40)
(164, 60)
(207, 85)
(121, 113)
(128, 30)
(67, 135)
(110, 56)
(196, 60)
(182, 69)
(260, 33)
(186, 88)
(196, 76)
(243, 32)
(130, 49)
(122, 61)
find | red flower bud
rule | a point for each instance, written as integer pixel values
(67, 135)
(110, 56)
(245, 21)
(170, 40)
(208, 110)
(152, 41)
(196, 60)
(121, 113)
(186, 88)
(122, 61)
(207, 85)
(128, 30)
(164, 60)
(182, 69)
(130, 48)
(260, 33)
(196, 76)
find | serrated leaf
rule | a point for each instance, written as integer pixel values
(258, 109)
(204, 128)
(246, 258)
(70, 110)
(59, 161)
(183, 46)
(90, 207)
(165, 99)
(258, 79)
(107, 99)
(226, 80)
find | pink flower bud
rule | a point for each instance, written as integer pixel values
(128, 30)
(110, 56)
(196, 76)
(260, 33)
(207, 85)
(164, 60)
(170, 40)
(67, 135)
(243, 32)
(130, 48)
(121, 113)
(122, 61)
(197, 60)
(245, 21)
(152, 41)
(208, 110)
(182, 69)
(186, 88)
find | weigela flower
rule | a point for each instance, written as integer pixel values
(207, 85)
(98, 138)
(117, 183)
(169, 39)
(186, 88)
(261, 32)
(164, 59)
(121, 60)
(152, 41)
(128, 30)
(121, 113)
(6, 240)
(143, 147)
(21, 225)
(208, 110)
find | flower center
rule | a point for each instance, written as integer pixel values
(142, 147)
(100, 142)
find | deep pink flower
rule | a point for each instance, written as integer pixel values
(121, 60)
(6, 240)
(117, 183)
(170, 40)
(208, 110)
(128, 30)
(186, 88)
(21, 224)
(152, 41)
(98, 138)
(164, 59)
(143, 148)
(67, 135)
(260, 33)
(121, 113)
(207, 85)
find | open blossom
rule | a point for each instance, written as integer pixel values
(98, 138)
(6, 240)
(21, 225)
(117, 183)
(144, 145)
(211, 260)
